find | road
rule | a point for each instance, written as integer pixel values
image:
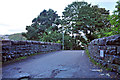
(59, 64)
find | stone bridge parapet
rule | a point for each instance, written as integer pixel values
(14, 49)
(106, 51)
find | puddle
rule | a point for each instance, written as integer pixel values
(102, 74)
(98, 70)
(63, 69)
(22, 75)
(108, 74)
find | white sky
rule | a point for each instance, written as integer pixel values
(15, 15)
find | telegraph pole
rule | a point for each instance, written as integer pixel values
(63, 37)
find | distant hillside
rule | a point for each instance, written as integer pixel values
(16, 36)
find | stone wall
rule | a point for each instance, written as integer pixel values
(106, 51)
(15, 49)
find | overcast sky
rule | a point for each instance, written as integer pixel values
(15, 15)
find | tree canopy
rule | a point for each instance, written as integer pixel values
(115, 23)
(83, 17)
(46, 22)
(115, 19)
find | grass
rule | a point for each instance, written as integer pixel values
(20, 58)
(92, 60)
(96, 63)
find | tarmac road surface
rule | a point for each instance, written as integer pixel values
(59, 64)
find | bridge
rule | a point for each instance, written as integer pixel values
(52, 62)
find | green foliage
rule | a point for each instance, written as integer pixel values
(87, 52)
(20, 58)
(92, 60)
(103, 32)
(51, 37)
(68, 42)
(45, 23)
(115, 19)
(96, 63)
(83, 17)
(115, 24)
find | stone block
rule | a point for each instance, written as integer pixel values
(4, 54)
(5, 47)
(103, 47)
(110, 47)
(114, 41)
(8, 57)
(95, 41)
(101, 61)
(21, 55)
(4, 58)
(116, 60)
(112, 52)
(13, 56)
(105, 64)
(114, 67)
(15, 42)
(118, 50)
(107, 51)
(102, 41)
(6, 42)
(25, 54)
(118, 70)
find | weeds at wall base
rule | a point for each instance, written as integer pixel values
(96, 63)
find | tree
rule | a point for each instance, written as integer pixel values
(115, 19)
(83, 17)
(46, 22)
(52, 37)
(115, 23)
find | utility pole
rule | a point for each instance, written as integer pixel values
(63, 37)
